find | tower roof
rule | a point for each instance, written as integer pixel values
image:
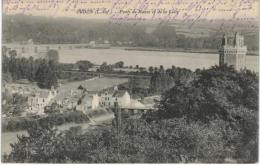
(232, 39)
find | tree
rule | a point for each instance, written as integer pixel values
(15, 104)
(19, 104)
(119, 64)
(161, 81)
(53, 108)
(104, 67)
(53, 55)
(223, 95)
(46, 76)
(151, 70)
(166, 36)
(41, 145)
(84, 65)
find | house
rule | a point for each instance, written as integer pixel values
(94, 101)
(122, 97)
(69, 99)
(108, 98)
(99, 44)
(37, 101)
(94, 68)
(88, 102)
(127, 70)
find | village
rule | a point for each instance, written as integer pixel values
(85, 96)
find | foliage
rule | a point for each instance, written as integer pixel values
(224, 95)
(15, 104)
(53, 55)
(104, 67)
(162, 80)
(46, 76)
(84, 65)
(164, 141)
(40, 146)
(53, 108)
(39, 70)
(68, 31)
(17, 124)
(119, 64)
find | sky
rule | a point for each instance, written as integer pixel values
(136, 9)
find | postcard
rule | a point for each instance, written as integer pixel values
(130, 81)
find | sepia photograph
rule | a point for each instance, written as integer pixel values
(130, 81)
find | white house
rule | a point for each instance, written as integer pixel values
(108, 99)
(122, 97)
(37, 101)
(88, 102)
(95, 101)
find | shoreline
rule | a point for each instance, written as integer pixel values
(207, 51)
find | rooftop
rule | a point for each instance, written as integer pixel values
(135, 104)
(43, 93)
(119, 93)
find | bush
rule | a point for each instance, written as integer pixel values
(51, 120)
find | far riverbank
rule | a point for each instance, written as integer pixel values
(207, 51)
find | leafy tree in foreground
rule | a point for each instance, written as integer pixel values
(221, 94)
(165, 141)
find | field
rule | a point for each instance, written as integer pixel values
(94, 84)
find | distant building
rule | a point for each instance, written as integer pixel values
(233, 51)
(99, 44)
(94, 68)
(127, 70)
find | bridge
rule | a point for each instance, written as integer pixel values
(43, 47)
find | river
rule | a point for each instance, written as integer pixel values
(134, 57)
(148, 58)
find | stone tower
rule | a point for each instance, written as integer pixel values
(232, 51)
